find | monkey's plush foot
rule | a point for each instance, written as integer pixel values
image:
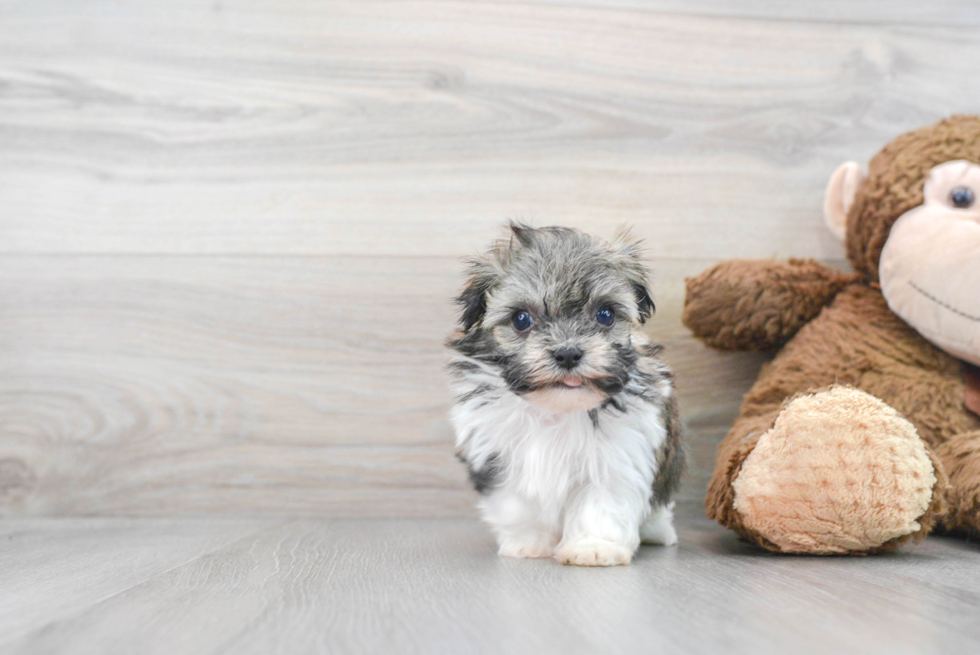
(840, 471)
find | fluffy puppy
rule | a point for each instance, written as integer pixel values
(564, 413)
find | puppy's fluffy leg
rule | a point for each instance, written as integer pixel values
(658, 529)
(602, 527)
(518, 526)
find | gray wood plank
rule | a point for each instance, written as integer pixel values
(229, 231)
(951, 13)
(393, 128)
(436, 586)
(152, 386)
(51, 569)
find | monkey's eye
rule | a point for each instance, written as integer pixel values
(522, 321)
(605, 317)
(961, 197)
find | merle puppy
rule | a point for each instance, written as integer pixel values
(564, 413)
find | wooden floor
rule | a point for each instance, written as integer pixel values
(303, 585)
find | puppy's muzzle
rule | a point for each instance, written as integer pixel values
(567, 358)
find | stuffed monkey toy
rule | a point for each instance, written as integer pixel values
(864, 431)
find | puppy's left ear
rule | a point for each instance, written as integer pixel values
(630, 252)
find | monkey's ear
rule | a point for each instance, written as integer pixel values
(473, 298)
(839, 197)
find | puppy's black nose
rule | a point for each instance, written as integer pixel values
(568, 357)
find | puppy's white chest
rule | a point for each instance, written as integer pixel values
(558, 454)
(548, 457)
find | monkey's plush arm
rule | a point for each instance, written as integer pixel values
(758, 304)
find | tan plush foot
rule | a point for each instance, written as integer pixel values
(840, 471)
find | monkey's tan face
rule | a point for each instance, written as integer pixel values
(930, 265)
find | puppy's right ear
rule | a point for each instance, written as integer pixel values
(522, 232)
(473, 298)
(629, 249)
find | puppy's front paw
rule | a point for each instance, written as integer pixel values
(659, 533)
(593, 552)
(658, 529)
(526, 551)
(528, 546)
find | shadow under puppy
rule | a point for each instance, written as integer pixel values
(564, 412)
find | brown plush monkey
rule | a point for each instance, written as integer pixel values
(864, 431)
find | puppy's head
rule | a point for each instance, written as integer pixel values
(552, 309)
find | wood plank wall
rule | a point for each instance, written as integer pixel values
(229, 231)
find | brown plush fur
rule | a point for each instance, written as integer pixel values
(960, 460)
(753, 305)
(839, 330)
(896, 176)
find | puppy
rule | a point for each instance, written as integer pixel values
(564, 412)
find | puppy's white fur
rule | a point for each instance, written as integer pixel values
(568, 454)
(574, 489)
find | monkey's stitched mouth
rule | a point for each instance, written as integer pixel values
(942, 304)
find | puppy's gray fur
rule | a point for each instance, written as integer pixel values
(579, 471)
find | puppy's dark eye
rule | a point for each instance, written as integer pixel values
(522, 321)
(605, 317)
(961, 197)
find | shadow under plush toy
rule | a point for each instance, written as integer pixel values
(864, 431)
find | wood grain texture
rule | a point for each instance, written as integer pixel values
(52, 569)
(436, 586)
(166, 385)
(953, 13)
(395, 128)
(229, 231)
